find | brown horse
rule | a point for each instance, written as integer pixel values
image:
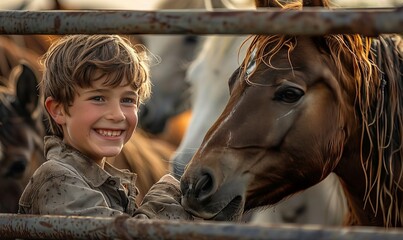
(300, 108)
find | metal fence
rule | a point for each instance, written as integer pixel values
(306, 22)
(310, 21)
(74, 227)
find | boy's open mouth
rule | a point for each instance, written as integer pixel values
(109, 133)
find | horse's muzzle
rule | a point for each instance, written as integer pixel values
(206, 196)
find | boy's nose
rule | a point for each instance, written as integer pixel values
(115, 113)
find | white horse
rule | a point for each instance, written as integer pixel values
(171, 95)
(218, 58)
(173, 54)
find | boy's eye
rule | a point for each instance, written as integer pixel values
(98, 98)
(129, 100)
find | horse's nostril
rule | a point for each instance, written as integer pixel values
(17, 168)
(204, 187)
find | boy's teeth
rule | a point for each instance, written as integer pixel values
(109, 133)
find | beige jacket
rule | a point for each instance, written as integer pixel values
(69, 183)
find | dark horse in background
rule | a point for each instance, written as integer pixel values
(300, 108)
(21, 134)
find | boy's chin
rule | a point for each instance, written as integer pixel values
(111, 152)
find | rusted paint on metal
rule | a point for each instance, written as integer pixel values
(45, 224)
(123, 227)
(57, 22)
(309, 21)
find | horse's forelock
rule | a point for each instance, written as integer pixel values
(259, 44)
(257, 48)
(262, 49)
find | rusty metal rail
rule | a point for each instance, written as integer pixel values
(75, 227)
(310, 21)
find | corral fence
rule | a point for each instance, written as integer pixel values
(74, 227)
(310, 21)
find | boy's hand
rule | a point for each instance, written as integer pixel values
(163, 201)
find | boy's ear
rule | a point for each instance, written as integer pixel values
(55, 110)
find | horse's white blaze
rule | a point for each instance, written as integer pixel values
(285, 115)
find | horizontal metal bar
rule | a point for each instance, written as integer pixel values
(75, 227)
(310, 21)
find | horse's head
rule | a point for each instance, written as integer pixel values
(21, 135)
(290, 119)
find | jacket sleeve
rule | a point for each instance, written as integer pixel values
(163, 201)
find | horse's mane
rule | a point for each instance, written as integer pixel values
(374, 67)
(382, 120)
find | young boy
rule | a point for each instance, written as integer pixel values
(92, 86)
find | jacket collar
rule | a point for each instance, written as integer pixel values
(56, 149)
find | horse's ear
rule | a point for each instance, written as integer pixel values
(315, 3)
(267, 3)
(27, 91)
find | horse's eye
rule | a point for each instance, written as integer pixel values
(289, 94)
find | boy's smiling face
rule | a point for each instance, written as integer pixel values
(101, 120)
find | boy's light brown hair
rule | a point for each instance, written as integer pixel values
(79, 60)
